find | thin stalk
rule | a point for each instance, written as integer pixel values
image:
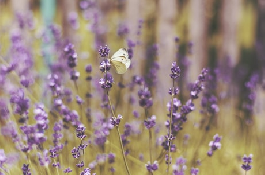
(170, 128)
(150, 147)
(150, 140)
(117, 128)
(150, 144)
(123, 152)
(56, 167)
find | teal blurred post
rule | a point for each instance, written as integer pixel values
(47, 11)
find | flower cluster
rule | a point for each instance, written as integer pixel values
(180, 166)
(71, 55)
(214, 145)
(116, 121)
(106, 82)
(122, 29)
(194, 171)
(175, 71)
(80, 132)
(55, 84)
(41, 118)
(25, 169)
(104, 66)
(2, 157)
(250, 97)
(71, 61)
(209, 100)
(197, 87)
(4, 112)
(21, 102)
(173, 91)
(44, 159)
(145, 99)
(67, 170)
(104, 51)
(165, 143)
(247, 160)
(150, 122)
(152, 167)
(87, 171)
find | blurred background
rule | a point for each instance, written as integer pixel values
(226, 36)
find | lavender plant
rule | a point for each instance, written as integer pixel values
(43, 130)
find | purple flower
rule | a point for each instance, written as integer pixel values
(175, 71)
(80, 132)
(88, 68)
(74, 75)
(2, 157)
(150, 122)
(122, 30)
(80, 165)
(214, 145)
(21, 103)
(116, 121)
(194, 171)
(73, 20)
(104, 51)
(180, 166)
(79, 100)
(71, 55)
(151, 167)
(25, 169)
(246, 167)
(138, 80)
(174, 91)
(56, 164)
(87, 171)
(111, 158)
(145, 99)
(53, 153)
(75, 152)
(106, 82)
(67, 170)
(197, 87)
(105, 66)
(247, 160)
(4, 112)
(44, 159)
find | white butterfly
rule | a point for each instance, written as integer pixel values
(120, 60)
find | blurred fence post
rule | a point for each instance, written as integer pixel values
(133, 15)
(230, 20)
(198, 35)
(260, 37)
(47, 11)
(167, 11)
(68, 7)
(20, 7)
(260, 50)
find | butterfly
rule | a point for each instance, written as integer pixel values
(120, 60)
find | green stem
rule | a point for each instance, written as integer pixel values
(123, 152)
(150, 140)
(150, 147)
(117, 128)
(170, 128)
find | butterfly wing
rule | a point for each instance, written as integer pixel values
(119, 66)
(122, 52)
(122, 56)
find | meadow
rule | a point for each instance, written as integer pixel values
(115, 89)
